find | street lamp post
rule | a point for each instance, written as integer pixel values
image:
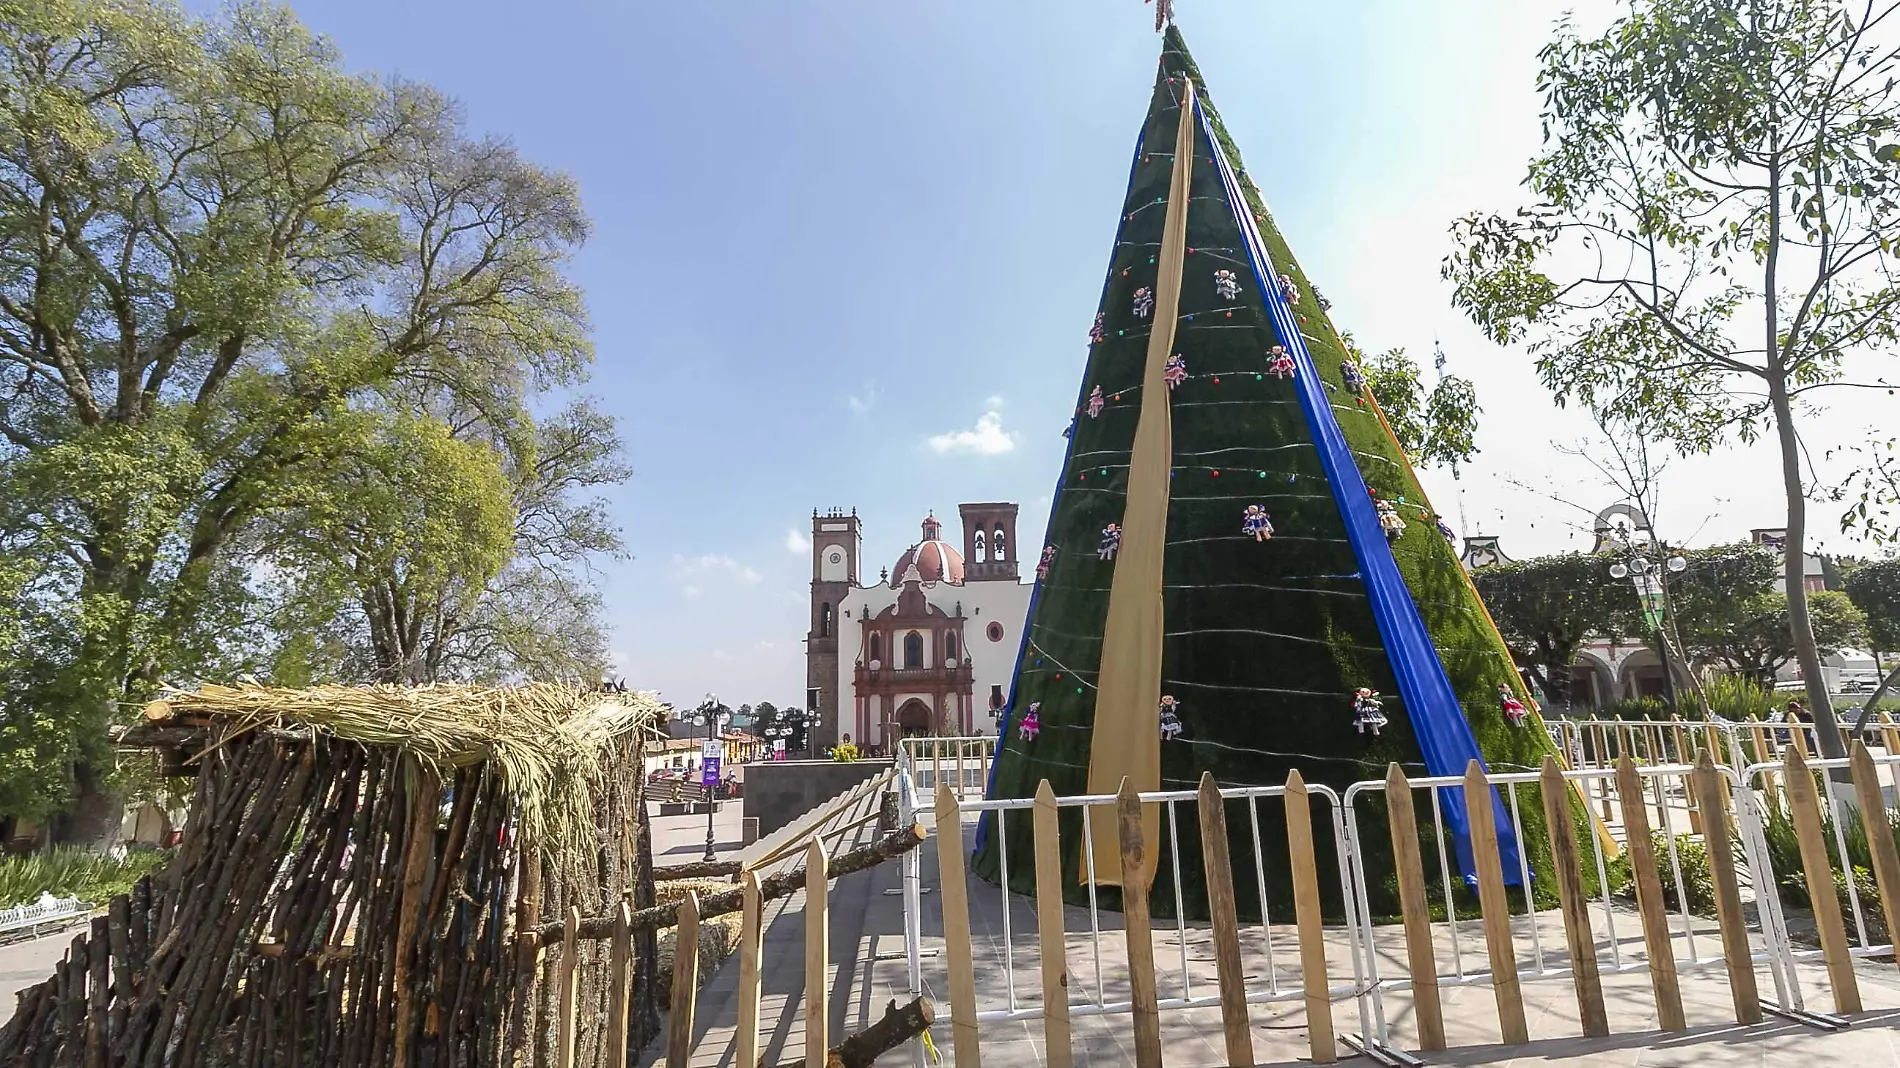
(811, 720)
(1649, 579)
(714, 717)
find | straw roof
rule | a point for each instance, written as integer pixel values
(547, 741)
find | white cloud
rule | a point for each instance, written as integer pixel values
(992, 403)
(691, 590)
(712, 564)
(987, 438)
(862, 405)
(796, 542)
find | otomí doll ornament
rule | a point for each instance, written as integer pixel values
(1031, 724)
(1366, 713)
(1514, 709)
(1171, 726)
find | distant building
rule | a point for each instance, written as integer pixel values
(927, 649)
(1606, 671)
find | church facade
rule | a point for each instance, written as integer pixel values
(930, 647)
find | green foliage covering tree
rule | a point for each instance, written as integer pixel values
(237, 283)
(1547, 607)
(1710, 234)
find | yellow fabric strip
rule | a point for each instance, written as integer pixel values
(1126, 741)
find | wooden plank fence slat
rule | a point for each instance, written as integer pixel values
(1566, 862)
(1224, 924)
(1055, 956)
(570, 967)
(956, 929)
(1143, 989)
(620, 965)
(1649, 898)
(1494, 906)
(1415, 909)
(679, 1020)
(1873, 807)
(751, 931)
(817, 949)
(1709, 791)
(1308, 921)
(1819, 872)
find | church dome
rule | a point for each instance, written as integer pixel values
(933, 559)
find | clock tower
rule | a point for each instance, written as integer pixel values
(835, 549)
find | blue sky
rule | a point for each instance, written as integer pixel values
(829, 233)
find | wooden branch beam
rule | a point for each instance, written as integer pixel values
(893, 845)
(898, 1026)
(699, 869)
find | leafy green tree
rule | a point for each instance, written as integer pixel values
(461, 562)
(1547, 607)
(216, 247)
(1751, 636)
(1708, 243)
(1435, 426)
(1875, 590)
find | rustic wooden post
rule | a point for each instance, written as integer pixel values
(620, 964)
(1566, 864)
(570, 967)
(1494, 906)
(1415, 909)
(1709, 789)
(750, 932)
(817, 949)
(1055, 955)
(1819, 871)
(1142, 987)
(1224, 921)
(1649, 898)
(679, 1023)
(1308, 921)
(956, 929)
(1873, 818)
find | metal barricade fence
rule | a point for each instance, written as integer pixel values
(1674, 941)
(1639, 879)
(962, 762)
(1805, 805)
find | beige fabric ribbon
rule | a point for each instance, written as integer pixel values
(1126, 741)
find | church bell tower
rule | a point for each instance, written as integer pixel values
(836, 545)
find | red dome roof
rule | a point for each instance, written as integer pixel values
(934, 558)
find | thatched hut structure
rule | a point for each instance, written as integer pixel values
(359, 884)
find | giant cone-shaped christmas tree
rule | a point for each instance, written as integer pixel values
(1237, 546)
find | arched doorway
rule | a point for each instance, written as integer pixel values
(913, 717)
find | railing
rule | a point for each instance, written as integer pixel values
(47, 909)
(1093, 967)
(963, 763)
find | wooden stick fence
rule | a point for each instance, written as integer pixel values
(1721, 814)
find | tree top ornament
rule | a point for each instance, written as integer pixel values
(1164, 13)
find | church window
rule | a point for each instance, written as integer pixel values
(914, 650)
(994, 632)
(824, 620)
(999, 550)
(977, 553)
(877, 648)
(950, 644)
(996, 697)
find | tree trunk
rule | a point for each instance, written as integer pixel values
(1794, 571)
(96, 814)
